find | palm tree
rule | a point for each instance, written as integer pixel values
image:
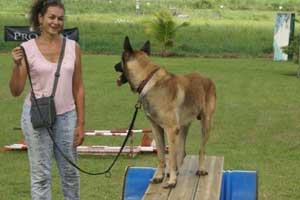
(163, 29)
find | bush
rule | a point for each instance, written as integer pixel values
(163, 29)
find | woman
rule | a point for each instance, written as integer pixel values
(47, 16)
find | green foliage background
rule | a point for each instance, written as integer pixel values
(242, 28)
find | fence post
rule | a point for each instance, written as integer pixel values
(138, 6)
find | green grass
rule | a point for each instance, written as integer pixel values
(256, 125)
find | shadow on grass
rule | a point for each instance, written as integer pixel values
(293, 74)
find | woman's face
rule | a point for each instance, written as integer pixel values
(53, 20)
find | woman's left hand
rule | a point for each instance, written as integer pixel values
(79, 136)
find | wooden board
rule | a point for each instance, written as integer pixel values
(187, 180)
(189, 186)
(209, 187)
(156, 192)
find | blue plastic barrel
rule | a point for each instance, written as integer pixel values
(236, 184)
(136, 182)
(239, 185)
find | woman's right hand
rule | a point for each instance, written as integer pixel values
(17, 55)
(19, 72)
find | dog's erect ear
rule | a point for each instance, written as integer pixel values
(127, 45)
(146, 48)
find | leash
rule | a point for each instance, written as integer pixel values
(107, 171)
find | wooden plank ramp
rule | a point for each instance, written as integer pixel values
(189, 185)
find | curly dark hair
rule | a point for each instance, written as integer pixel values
(40, 7)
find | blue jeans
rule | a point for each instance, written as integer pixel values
(40, 151)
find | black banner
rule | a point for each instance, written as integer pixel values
(22, 33)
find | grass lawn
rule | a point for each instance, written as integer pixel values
(256, 125)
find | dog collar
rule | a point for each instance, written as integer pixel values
(145, 81)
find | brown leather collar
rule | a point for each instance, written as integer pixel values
(145, 81)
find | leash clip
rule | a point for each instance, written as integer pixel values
(108, 174)
(138, 104)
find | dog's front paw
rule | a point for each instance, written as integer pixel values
(158, 176)
(202, 172)
(168, 174)
(157, 180)
(169, 184)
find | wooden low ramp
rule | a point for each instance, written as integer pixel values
(189, 186)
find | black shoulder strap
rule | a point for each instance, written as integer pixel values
(57, 73)
(27, 69)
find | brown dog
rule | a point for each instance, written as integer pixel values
(171, 103)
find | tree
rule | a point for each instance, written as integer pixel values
(163, 29)
(293, 49)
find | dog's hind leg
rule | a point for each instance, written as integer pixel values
(158, 135)
(206, 120)
(181, 144)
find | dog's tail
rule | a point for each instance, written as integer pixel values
(210, 100)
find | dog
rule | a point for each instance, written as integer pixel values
(170, 103)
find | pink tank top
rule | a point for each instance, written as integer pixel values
(42, 75)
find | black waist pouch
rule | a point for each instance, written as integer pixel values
(43, 115)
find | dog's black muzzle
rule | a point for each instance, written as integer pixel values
(118, 67)
(122, 79)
